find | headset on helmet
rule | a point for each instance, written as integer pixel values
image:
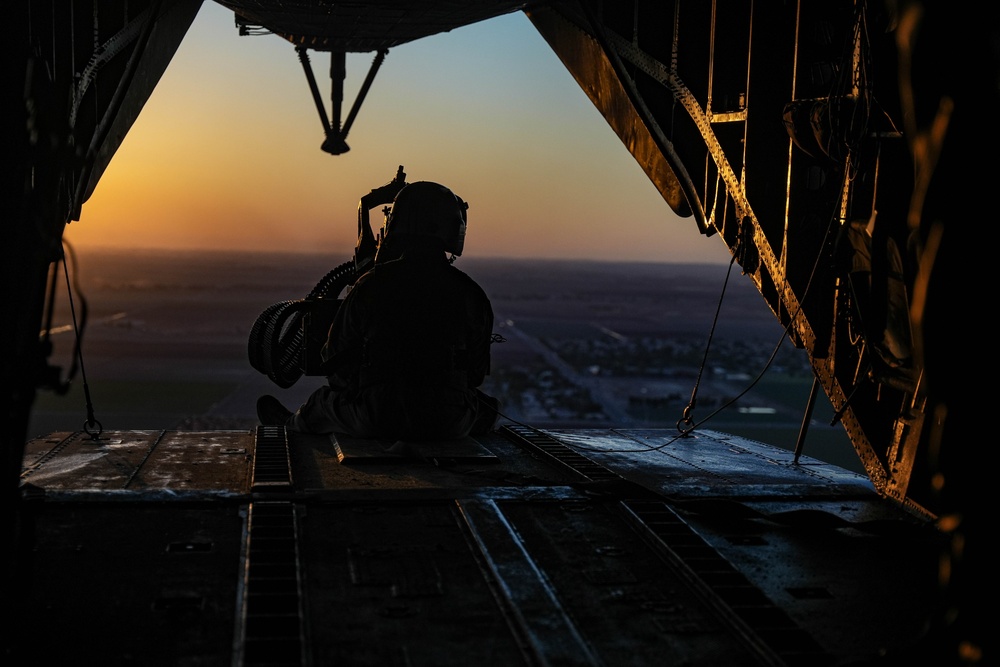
(429, 209)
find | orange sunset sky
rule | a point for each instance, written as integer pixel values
(226, 153)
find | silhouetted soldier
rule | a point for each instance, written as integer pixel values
(410, 344)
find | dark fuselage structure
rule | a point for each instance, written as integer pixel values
(827, 145)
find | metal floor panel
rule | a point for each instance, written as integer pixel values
(119, 583)
(531, 547)
(186, 462)
(396, 584)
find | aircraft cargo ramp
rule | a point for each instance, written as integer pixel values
(575, 547)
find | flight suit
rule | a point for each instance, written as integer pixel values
(408, 349)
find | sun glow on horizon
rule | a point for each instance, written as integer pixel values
(226, 152)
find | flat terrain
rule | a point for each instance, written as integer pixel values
(586, 344)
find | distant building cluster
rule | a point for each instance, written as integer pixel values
(672, 357)
(538, 393)
(535, 391)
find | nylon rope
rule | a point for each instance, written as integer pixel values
(686, 423)
(92, 427)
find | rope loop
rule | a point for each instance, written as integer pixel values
(94, 435)
(688, 425)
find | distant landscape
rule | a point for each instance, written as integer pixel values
(585, 345)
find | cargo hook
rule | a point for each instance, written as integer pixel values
(336, 135)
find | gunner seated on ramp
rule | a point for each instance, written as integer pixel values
(409, 346)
